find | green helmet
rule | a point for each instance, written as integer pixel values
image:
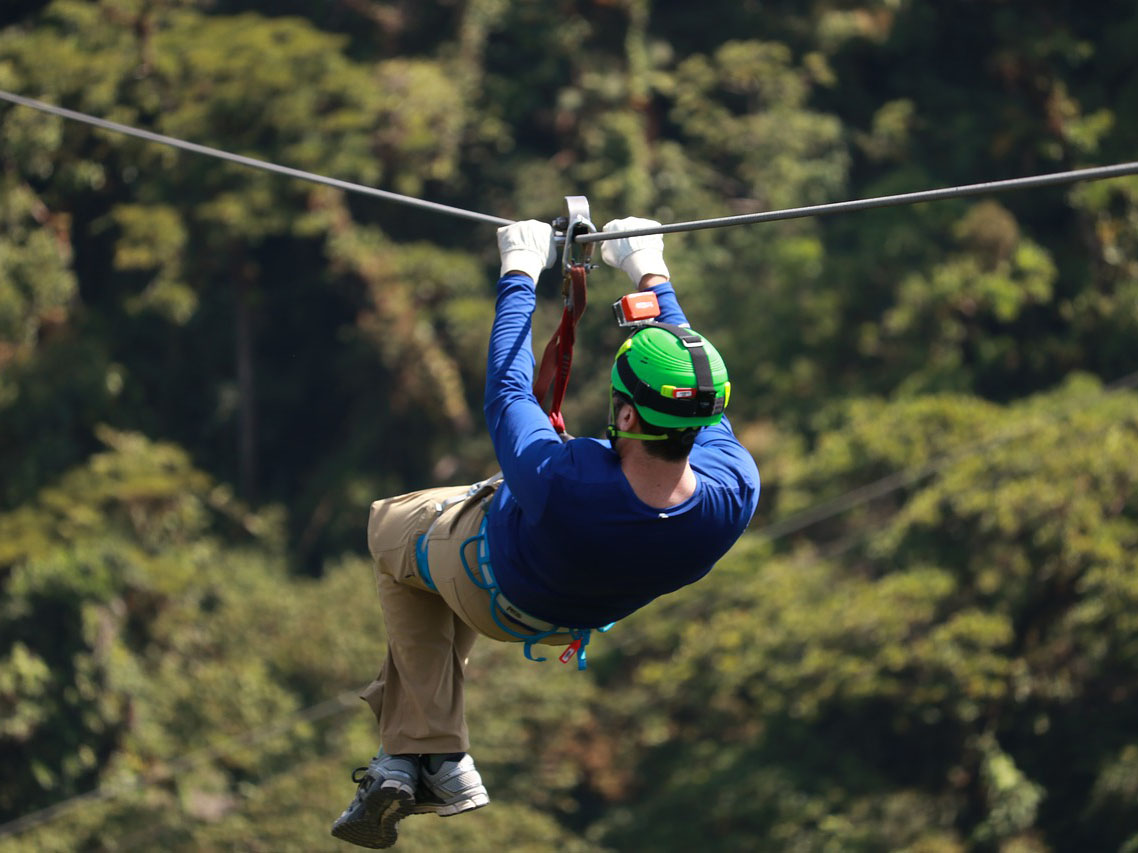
(674, 376)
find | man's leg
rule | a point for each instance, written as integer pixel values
(418, 696)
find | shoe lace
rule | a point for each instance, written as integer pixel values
(360, 777)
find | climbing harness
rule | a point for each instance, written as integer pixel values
(502, 609)
(484, 487)
(557, 359)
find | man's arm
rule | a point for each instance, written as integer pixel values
(520, 431)
(642, 259)
(670, 310)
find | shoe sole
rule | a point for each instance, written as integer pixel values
(374, 823)
(475, 801)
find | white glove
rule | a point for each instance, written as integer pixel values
(527, 247)
(637, 256)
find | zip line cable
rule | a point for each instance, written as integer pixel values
(251, 162)
(772, 532)
(1096, 173)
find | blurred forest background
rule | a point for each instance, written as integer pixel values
(208, 372)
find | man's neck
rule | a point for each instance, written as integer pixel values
(660, 483)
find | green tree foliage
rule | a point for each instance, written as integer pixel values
(207, 372)
(959, 656)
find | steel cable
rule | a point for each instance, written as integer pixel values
(1096, 173)
(1031, 182)
(251, 162)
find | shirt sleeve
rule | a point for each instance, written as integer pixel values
(670, 310)
(524, 440)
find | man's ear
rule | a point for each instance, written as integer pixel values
(627, 419)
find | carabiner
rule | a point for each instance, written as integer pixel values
(568, 228)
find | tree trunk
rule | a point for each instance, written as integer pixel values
(246, 391)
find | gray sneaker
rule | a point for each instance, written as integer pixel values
(386, 795)
(456, 788)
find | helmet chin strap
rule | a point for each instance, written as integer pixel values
(613, 432)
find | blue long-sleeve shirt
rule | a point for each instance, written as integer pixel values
(570, 542)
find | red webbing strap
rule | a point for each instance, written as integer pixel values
(558, 356)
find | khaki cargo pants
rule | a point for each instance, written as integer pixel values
(418, 695)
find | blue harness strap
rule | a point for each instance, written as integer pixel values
(422, 563)
(423, 542)
(484, 579)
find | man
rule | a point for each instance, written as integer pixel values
(576, 534)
